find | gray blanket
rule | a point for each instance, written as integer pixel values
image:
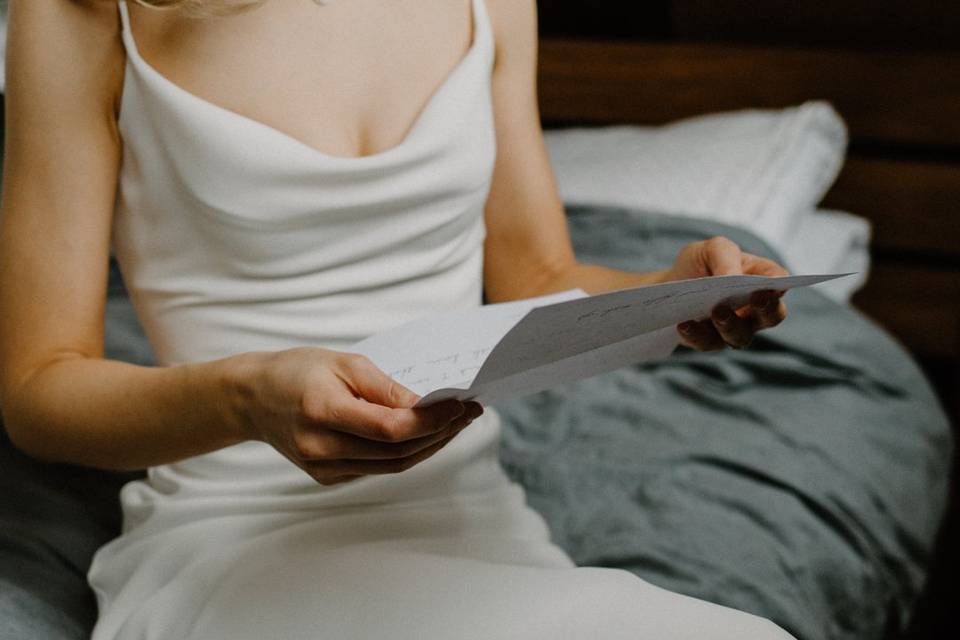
(802, 479)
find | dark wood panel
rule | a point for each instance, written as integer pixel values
(901, 98)
(914, 206)
(611, 19)
(916, 24)
(920, 306)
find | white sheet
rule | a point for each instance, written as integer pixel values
(831, 242)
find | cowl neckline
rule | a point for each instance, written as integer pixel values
(437, 100)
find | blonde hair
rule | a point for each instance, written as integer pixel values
(202, 7)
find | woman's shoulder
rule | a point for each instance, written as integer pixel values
(514, 24)
(74, 21)
(70, 47)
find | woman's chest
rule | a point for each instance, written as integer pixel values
(348, 79)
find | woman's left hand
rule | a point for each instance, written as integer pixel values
(727, 327)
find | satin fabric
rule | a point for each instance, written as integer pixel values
(233, 236)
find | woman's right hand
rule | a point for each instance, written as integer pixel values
(337, 416)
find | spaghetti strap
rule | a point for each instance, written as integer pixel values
(124, 18)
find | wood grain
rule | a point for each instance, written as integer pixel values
(917, 24)
(914, 206)
(920, 306)
(910, 98)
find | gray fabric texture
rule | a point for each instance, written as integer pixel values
(802, 479)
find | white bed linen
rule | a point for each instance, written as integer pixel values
(831, 242)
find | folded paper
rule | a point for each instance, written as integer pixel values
(492, 353)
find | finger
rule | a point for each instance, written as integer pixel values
(722, 257)
(760, 266)
(376, 467)
(473, 408)
(767, 308)
(358, 417)
(369, 382)
(735, 330)
(702, 335)
(334, 445)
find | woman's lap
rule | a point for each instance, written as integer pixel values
(444, 556)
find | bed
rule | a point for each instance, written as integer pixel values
(803, 479)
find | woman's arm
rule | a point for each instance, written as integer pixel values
(335, 415)
(61, 401)
(528, 250)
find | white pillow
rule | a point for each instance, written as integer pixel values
(831, 242)
(758, 169)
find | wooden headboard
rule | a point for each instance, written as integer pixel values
(902, 106)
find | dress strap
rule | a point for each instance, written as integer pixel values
(124, 16)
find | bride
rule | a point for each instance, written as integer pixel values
(279, 179)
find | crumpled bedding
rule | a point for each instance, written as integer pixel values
(802, 479)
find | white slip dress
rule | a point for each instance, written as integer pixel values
(233, 236)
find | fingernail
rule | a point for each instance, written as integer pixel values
(685, 328)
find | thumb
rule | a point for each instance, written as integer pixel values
(373, 385)
(722, 257)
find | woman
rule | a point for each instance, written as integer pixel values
(278, 180)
